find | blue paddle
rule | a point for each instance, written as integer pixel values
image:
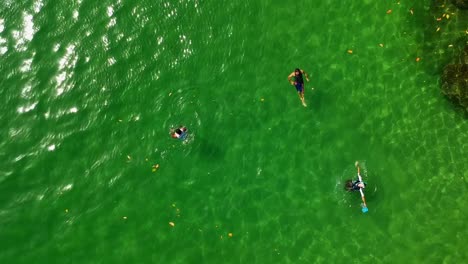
(364, 209)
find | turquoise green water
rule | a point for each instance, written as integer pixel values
(90, 90)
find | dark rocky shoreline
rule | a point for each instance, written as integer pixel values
(462, 4)
(454, 81)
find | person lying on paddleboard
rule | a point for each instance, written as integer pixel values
(357, 185)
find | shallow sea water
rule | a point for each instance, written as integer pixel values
(90, 90)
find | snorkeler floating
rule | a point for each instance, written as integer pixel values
(179, 133)
(358, 185)
(299, 83)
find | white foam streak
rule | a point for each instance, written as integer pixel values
(60, 79)
(56, 47)
(3, 50)
(66, 187)
(112, 22)
(26, 91)
(38, 6)
(24, 36)
(110, 11)
(66, 63)
(105, 40)
(75, 15)
(27, 108)
(2, 25)
(28, 27)
(66, 59)
(3, 42)
(111, 61)
(26, 65)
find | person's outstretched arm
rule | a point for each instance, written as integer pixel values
(305, 74)
(289, 78)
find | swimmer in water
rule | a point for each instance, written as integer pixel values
(179, 133)
(299, 83)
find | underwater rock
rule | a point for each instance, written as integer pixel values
(464, 55)
(455, 82)
(462, 4)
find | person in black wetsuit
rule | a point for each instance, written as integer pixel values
(351, 185)
(298, 82)
(179, 133)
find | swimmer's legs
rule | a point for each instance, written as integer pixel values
(301, 96)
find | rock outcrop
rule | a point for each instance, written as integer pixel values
(462, 4)
(455, 81)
